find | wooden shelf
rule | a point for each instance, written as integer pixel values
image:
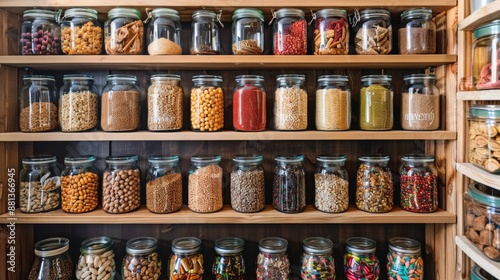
(493, 94)
(479, 175)
(477, 256)
(483, 15)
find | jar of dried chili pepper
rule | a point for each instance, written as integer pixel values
(249, 103)
(418, 181)
(331, 32)
(404, 260)
(317, 260)
(229, 262)
(290, 32)
(289, 184)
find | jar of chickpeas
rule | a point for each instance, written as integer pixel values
(81, 33)
(207, 103)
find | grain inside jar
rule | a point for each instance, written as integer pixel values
(205, 184)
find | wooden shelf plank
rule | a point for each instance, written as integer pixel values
(493, 94)
(477, 256)
(479, 175)
(485, 14)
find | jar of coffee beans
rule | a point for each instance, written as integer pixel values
(52, 260)
(163, 184)
(374, 185)
(186, 260)
(40, 33)
(121, 184)
(142, 260)
(229, 262)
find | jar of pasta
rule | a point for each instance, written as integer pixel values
(205, 33)
(38, 104)
(484, 128)
(142, 260)
(163, 184)
(52, 260)
(272, 260)
(331, 32)
(81, 32)
(374, 185)
(317, 259)
(360, 260)
(164, 32)
(376, 110)
(417, 32)
(205, 184)
(79, 184)
(331, 184)
(97, 259)
(333, 103)
(40, 33)
(121, 184)
(289, 32)
(290, 103)
(229, 262)
(373, 32)
(420, 105)
(186, 260)
(247, 184)
(124, 31)
(289, 184)
(248, 32)
(165, 103)
(207, 103)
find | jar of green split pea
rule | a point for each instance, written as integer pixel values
(376, 103)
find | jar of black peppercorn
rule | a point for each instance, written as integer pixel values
(374, 186)
(52, 260)
(289, 32)
(373, 32)
(248, 32)
(317, 259)
(272, 260)
(205, 33)
(40, 33)
(229, 263)
(186, 260)
(289, 184)
(417, 32)
(419, 183)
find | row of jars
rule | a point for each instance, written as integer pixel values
(79, 32)
(142, 260)
(44, 188)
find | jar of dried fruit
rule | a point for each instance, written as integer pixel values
(142, 260)
(417, 32)
(96, 257)
(124, 31)
(205, 184)
(247, 184)
(165, 103)
(79, 183)
(248, 32)
(121, 184)
(207, 103)
(205, 33)
(164, 32)
(81, 32)
(290, 103)
(374, 185)
(289, 184)
(52, 260)
(360, 260)
(40, 33)
(289, 32)
(317, 259)
(331, 32)
(376, 110)
(272, 260)
(229, 262)
(249, 103)
(485, 61)
(333, 103)
(331, 184)
(38, 104)
(418, 183)
(404, 259)
(186, 260)
(373, 32)
(420, 103)
(163, 184)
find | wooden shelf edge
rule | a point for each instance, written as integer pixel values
(485, 14)
(479, 175)
(477, 256)
(493, 94)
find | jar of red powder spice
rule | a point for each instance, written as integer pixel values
(249, 103)
(290, 32)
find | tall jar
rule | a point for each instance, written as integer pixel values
(360, 260)
(97, 259)
(165, 103)
(484, 127)
(376, 110)
(120, 103)
(484, 62)
(290, 103)
(38, 104)
(404, 259)
(374, 185)
(289, 184)
(420, 106)
(272, 260)
(81, 32)
(333, 103)
(164, 32)
(248, 32)
(317, 259)
(124, 31)
(142, 260)
(373, 32)
(163, 184)
(417, 32)
(186, 260)
(289, 32)
(418, 183)
(121, 184)
(229, 263)
(78, 103)
(331, 184)
(331, 32)
(205, 184)
(40, 184)
(249, 103)
(205, 33)
(52, 260)
(79, 184)
(40, 33)
(207, 103)
(247, 184)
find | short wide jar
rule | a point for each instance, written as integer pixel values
(81, 32)
(124, 32)
(121, 184)
(484, 127)
(40, 33)
(272, 260)
(142, 260)
(360, 259)
(96, 257)
(79, 184)
(317, 259)
(186, 260)
(52, 260)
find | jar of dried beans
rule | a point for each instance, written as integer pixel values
(290, 32)
(272, 260)
(317, 259)
(420, 106)
(40, 33)
(142, 260)
(485, 61)
(248, 32)
(331, 32)
(374, 186)
(81, 32)
(97, 259)
(38, 104)
(163, 184)
(376, 110)
(373, 32)
(79, 183)
(121, 184)
(249, 103)
(229, 263)
(360, 260)
(207, 103)
(290, 103)
(333, 103)
(52, 260)
(331, 184)
(164, 32)
(186, 260)
(404, 259)
(484, 142)
(124, 31)
(165, 103)
(247, 184)
(417, 32)
(205, 184)
(205, 33)
(419, 183)
(289, 184)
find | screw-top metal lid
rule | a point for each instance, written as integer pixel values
(229, 245)
(404, 245)
(317, 245)
(141, 245)
(96, 245)
(186, 245)
(273, 245)
(361, 245)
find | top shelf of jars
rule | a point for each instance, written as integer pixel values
(481, 16)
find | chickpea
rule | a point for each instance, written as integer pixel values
(207, 109)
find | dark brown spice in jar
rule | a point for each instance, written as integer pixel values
(417, 40)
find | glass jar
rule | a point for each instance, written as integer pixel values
(205, 184)
(164, 32)
(484, 127)
(477, 4)
(331, 184)
(97, 258)
(38, 104)
(141, 261)
(207, 103)
(478, 273)
(290, 103)
(333, 103)
(247, 184)
(420, 109)
(40, 33)
(289, 184)
(123, 31)
(376, 103)
(331, 32)
(373, 32)
(205, 33)
(419, 183)
(40, 184)
(317, 259)
(404, 259)
(120, 103)
(229, 263)
(186, 260)
(163, 184)
(290, 32)
(249, 103)
(165, 103)
(484, 55)
(52, 260)
(374, 186)
(417, 32)
(248, 32)
(78, 103)
(360, 260)
(79, 184)
(121, 184)
(81, 33)
(272, 260)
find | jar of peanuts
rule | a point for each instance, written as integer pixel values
(38, 104)
(289, 32)
(290, 103)
(121, 184)
(331, 32)
(163, 184)
(40, 33)
(205, 184)
(248, 32)
(165, 103)
(374, 185)
(331, 184)
(272, 260)
(141, 260)
(81, 32)
(249, 103)
(123, 31)
(360, 259)
(404, 259)
(205, 33)
(317, 259)
(79, 183)
(333, 103)
(97, 259)
(373, 32)
(207, 103)
(186, 260)
(164, 32)
(228, 261)
(52, 260)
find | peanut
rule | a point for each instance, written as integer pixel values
(121, 190)
(79, 192)
(35, 198)
(96, 266)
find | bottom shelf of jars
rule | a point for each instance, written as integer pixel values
(477, 256)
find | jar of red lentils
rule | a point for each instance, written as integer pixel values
(290, 32)
(249, 103)
(207, 103)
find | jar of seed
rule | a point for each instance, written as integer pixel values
(333, 103)
(404, 259)
(38, 104)
(331, 32)
(81, 32)
(121, 184)
(97, 259)
(417, 32)
(289, 32)
(360, 260)
(141, 260)
(272, 260)
(374, 185)
(229, 262)
(124, 32)
(205, 184)
(207, 103)
(331, 184)
(186, 260)
(420, 109)
(247, 184)
(317, 259)
(164, 32)
(249, 103)
(376, 103)
(163, 184)
(289, 184)
(248, 32)
(373, 32)
(79, 184)
(40, 33)
(205, 33)
(52, 260)
(290, 103)
(419, 183)
(165, 103)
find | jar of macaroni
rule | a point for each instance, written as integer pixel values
(376, 110)
(124, 31)
(373, 32)
(97, 259)
(207, 103)
(272, 260)
(165, 103)
(121, 184)
(52, 260)
(331, 184)
(186, 260)
(333, 103)
(163, 184)
(142, 260)
(40, 32)
(81, 32)
(289, 32)
(248, 32)
(205, 184)
(164, 32)
(38, 104)
(374, 185)
(79, 184)
(331, 32)
(205, 33)
(417, 32)
(290, 103)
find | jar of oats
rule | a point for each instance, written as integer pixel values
(420, 103)
(248, 32)
(81, 33)
(164, 32)
(374, 185)
(38, 104)
(290, 103)
(205, 184)
(333, 103)
(142, 260)
(96, 257)
(186, 260)
(207, 103)
(165, 103)
(52, 260)
(163, 184)
(121, 184)
(79, 183)
(247, 184)
(123, 31)
(331, 182)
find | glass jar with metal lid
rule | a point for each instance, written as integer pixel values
(317, 259)
(229, 263)
(81, 32)
(331, 32)
(485, 57)
(205, 33)
(40, 33)
(79, 183)
(420, 103)
(205, 184)
(484, 146)
(52, 260)
(272, 260)
(289, 184)
(247, 184)
(121, 184)
(290, 103)
(249, 103)
(373, 32)
(38, 104)
(289, 32)
(360, 260)
(478, 273)
(404, 259)
(186, 260)
(333, 103)
(163, 184)
(97, 259)
(417, 32)
(142, 260)
(419, 183)
(374, 185)
(207, 103)
(164, 32)
(248, 32)
(331, 184)
(124, 31)
(376, 110)
(165, 103)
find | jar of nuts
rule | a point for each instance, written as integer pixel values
(163, 184)
(247, 184)
(374, 185)
(205, 33)
(290, 103)
(317, 259)
(40, 33)
(186, 260)
(52, 260)
(81, 32)
(360, 259)
(373, 32)
(205, 184)
(289, 184)
(248, 32)
(164, 32)
(141, 261)
(121, 184)
(79, 183)
(165, 103)
(333, 103)
(124, 31)
(331, 184)
(97, 259)
(289, 32)
(229, 262)
(272, 260)
(484, 143)
(38, 104)
(207, 103)
(331, 32)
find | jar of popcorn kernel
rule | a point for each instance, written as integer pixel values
(81, 33)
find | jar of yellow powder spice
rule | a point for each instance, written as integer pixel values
(376, 103)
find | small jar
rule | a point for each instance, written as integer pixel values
(52, 260)
(164, 32)
(331, 32)
(205, 184)
(79, 184)
(123, 31)
(290, 103)
(484, 126)
(120, 103)
(272, 260)
(96, 257)
(420, 106)
(376, 103)
(317, 259)
(289, 32)
(484, 56)
(207, 112)
(289, 184)
(40, 33)
(163, 184)
(38, 104)
(229, 263)
(165, 103)
(249, 103)
(333, 103)
(404, 259)
(248, 32)
(78, 103)
(81, 33)
(331, 184)
(419, 183)
(142, 260)
(205, 33)
(247, 184)
(121, 184)
(40, 184)
(373, 32)
(374, 186)
(478, 273)
(417, 32)
(360, 260)
(186, 260)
